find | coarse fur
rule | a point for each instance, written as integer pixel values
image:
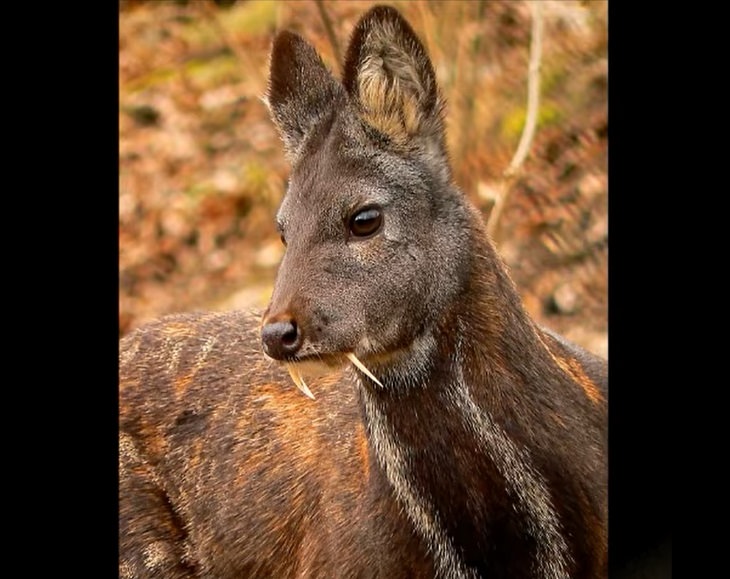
(481, 450)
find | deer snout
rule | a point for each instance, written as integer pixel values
(281, 338)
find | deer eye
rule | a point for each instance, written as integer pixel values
(366, 222)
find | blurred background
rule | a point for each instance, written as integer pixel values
(202, 172)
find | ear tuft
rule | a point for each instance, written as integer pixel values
(301, 91)
(389, 74)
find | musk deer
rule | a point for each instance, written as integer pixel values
(449, 436)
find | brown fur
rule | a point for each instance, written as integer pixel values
(297, 472)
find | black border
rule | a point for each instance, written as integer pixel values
(640, 479)
(68, 93)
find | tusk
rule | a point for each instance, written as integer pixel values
(354, 359)
(299, 381)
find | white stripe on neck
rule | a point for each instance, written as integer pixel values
(522, 479)
(395, 462)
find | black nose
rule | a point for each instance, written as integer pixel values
(281, 339)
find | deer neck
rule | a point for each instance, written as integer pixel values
(443, 432)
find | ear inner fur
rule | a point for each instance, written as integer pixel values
(388, 74)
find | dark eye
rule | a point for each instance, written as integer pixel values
(283, 239)
(366, 222)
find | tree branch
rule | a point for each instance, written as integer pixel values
(330, 31)
(528, 132)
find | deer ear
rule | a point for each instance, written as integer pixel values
(301, 91)
(389, 74)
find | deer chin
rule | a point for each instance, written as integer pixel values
(296, 376)
(323, 364)
(312, 366)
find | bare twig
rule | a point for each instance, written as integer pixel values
(528, 132)
(330, 31)
(533, 91)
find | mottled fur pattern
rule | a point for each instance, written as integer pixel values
(480, 451)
